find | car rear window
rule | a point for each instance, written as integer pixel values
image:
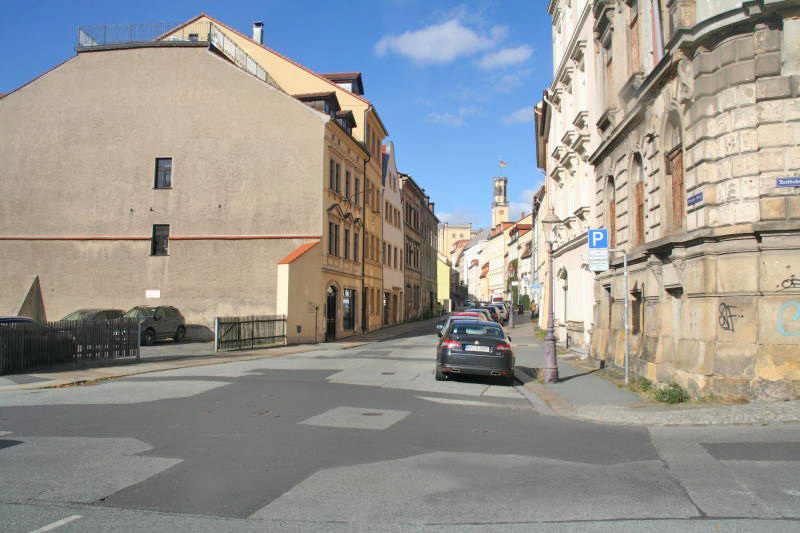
(487, 331)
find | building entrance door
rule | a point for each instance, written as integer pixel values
(330, 314)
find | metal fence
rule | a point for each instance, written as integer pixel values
(28, 346)
(239, 332)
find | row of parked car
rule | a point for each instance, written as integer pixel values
(157, 322)
(473, 341)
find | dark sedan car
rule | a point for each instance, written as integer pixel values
(476, 348)
(491, 310)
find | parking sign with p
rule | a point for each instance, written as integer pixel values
(598, 238)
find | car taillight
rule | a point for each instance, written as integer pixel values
(451, 344)
(503, 347)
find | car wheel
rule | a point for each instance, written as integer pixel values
(180, 334)
(440, 375)
(148, 337)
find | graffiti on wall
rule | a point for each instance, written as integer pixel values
(790, 283)
(789, 324)
(726, 316)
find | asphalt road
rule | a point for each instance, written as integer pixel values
(364, 439)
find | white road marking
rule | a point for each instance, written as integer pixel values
(63, 521)
(473, 403)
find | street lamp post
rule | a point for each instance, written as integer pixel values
(550, 370)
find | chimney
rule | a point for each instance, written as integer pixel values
(258, 32)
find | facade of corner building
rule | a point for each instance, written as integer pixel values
(368, 129)
(161, 204)
(693, 141)
(571, 139)
(393, 239)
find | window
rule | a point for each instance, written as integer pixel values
(160, 242)
(638, 176)
(333, 239)
(355, 248)
(193, 37)
(338, 169)
(675, 158)
(347, 184)
(347, 244)
(332, 176)
(633, 52)
(163, 178)
(349, 309)
(611, 209)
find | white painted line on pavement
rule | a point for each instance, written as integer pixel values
(472, 403)
(62, 522)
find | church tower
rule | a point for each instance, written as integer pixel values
(500, 203)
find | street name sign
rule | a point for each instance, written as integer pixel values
(788, 182)
(694, 199)
(598, 250)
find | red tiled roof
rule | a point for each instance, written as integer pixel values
(523, 226)
(297, 253)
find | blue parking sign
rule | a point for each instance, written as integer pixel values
(598, 238)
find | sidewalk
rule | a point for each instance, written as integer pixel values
(583, 395)
(168, 356)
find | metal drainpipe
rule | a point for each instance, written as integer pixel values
(364, 302)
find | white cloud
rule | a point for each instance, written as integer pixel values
(505, 57)
(439, 43)
(527, 195)
(520, 116)
(445, 119)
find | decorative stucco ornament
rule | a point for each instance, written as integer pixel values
(685, 81)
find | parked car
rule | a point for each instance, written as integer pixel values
(480, 313)
(159, 322)
(476, 348)
(31, 344)
(501, 311)
(95, 314)
(493, 314)
(444, 324)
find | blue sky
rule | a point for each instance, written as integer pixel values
(454, 82)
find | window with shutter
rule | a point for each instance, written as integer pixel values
(675, 158)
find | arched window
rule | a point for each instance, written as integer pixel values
(637, 177)
(673, 163)
(611, 212)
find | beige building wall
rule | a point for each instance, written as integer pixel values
(687, 172)
(299, 284)
(80, 213)
(449, 234)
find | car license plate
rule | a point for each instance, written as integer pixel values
(474, 348)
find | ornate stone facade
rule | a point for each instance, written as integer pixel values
(699, 133)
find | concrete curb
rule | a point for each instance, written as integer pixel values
(72, 378)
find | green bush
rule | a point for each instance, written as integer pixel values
(672, 393)
(643, 384)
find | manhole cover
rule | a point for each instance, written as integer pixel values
(371, 414)
(388, 373)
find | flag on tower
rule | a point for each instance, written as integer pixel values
(503, 163)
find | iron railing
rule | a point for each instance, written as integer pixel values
(29, 345)
(240, 332)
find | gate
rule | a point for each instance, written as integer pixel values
(241, 332)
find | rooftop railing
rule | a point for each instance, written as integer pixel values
(169, 32)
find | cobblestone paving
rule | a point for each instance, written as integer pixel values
(756, 412)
